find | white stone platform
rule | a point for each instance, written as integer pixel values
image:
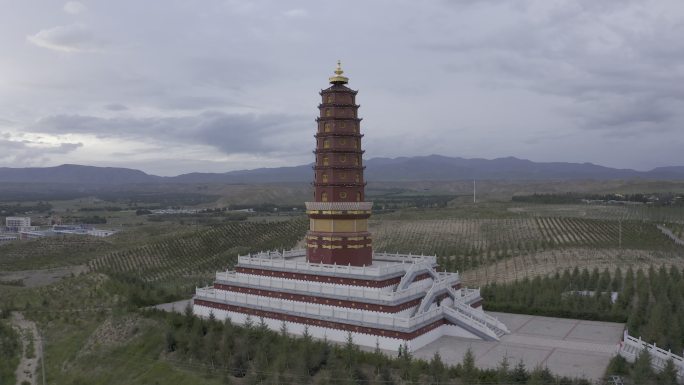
(568, 347)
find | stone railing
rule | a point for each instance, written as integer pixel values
(319, 311)
(668, 233)
(277, 259)
(468, 318)
(336, 290)
(631, 347)
(469, 295)
(339, 206)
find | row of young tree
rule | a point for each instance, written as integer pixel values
(572, 197)
(651, 302)
(256, 355)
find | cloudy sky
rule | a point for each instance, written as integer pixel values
(176, 86)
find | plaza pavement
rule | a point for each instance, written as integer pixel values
(568, 347)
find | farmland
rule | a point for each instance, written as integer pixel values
(512, 250)
(499, 249)
(200, 253)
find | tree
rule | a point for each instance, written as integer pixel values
(170, 341)
(668, 376)
(437, 368)
(468, 365)
(503, 374)
(519, 374)
(643, 373)
(350, 352)
(617, 366)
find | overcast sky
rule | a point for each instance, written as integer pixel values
(175, 86)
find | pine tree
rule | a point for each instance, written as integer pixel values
(437, 368)
(503, 374)
(519, 374)
(668, 376)
(468, 365)
(642, 373)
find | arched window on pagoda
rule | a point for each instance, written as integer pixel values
(327, 127)
(325, 161)
(330, 99)
(328, 112)
(326, 143)
(324, 196)
(358, 196)
(358, 178)
(325, 178)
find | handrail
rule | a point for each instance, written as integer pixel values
(278, 259)
(339, 206)
(471, 321)
(346, 291)
(318, 310)
(631, 347)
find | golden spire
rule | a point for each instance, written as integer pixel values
(338, 78)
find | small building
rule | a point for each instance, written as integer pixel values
(16, 224)
(34, 234)
(100, 233)
(8, 237)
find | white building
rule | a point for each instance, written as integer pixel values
(15, 224)
(399, 299)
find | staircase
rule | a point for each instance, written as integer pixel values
(413, 271)
(465, 320)
(490, 322)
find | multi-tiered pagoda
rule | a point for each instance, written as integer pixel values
(339, 215)
(338, 286)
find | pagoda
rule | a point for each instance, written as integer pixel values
(338, 287)
(338, 233)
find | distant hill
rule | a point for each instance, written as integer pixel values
(76, 175)
(419, 168)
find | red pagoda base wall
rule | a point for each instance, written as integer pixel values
(354, 257)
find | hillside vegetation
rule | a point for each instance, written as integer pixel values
(200, 253)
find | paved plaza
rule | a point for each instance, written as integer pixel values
(568, 347)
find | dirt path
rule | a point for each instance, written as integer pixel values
(28, 367)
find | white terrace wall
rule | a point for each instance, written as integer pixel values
(335, 335)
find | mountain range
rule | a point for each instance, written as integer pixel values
(418, 168)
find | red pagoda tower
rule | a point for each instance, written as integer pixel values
(338, 232)
(338, 288)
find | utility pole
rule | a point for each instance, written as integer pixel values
(474, 200)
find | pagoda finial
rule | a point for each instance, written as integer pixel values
(338, 78)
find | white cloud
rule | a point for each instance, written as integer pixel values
(27, 152)
(74, 7)
(296, 13)
(67, 38)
